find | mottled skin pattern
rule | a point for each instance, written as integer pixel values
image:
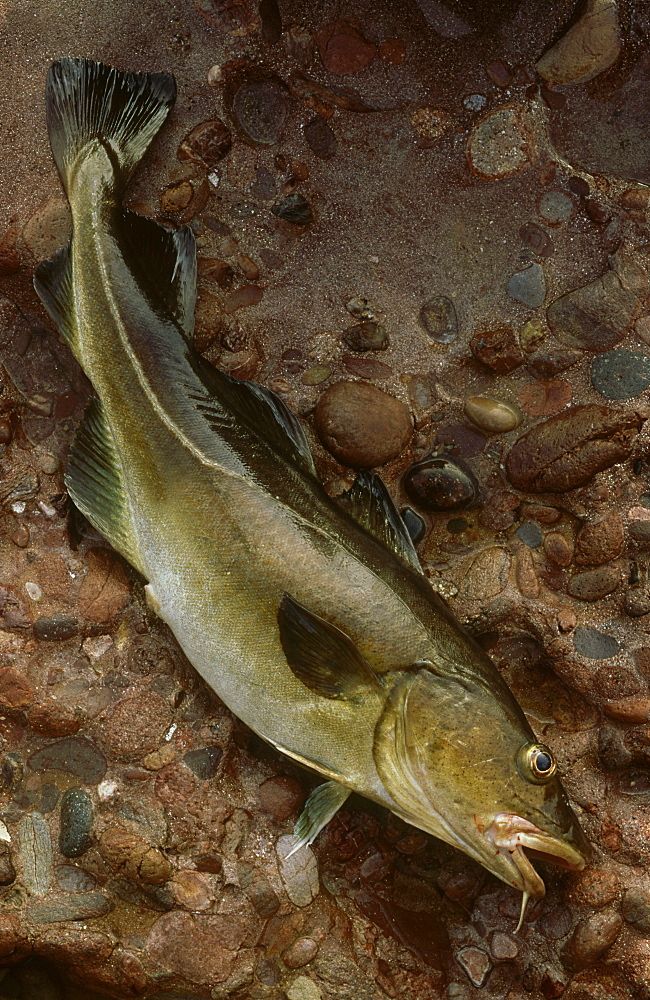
(221, 527)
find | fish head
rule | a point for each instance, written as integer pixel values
(462, 763)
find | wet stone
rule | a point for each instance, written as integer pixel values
(591, 939)
(498, 349)
(343, 49)
(75, 836)
(438, 319)
(35, 844)
(320, 138)
(299, 873)
(557, 548)
(545, 366)
(491, 414)
(15, 689)
(536, 239)
(596, 888)
(594, 645)
(56, 627)
(261, 108)
(621, 374)
(440, 484)
(76, 755)
(295, 209)
(414, 524)
(281, 796)
(528, 286)
(636, 909)
(476, 964)
(78, 906)
(499, 73)
(302, 951)
(361, 425)
(541, 399)
(556, 207)
(367, 336)
(530, 535)
(595, 583)
(71, 878)
(204, 762)
(599, 541)
(500, 144)
(206, 144)
(595, 316)
(503, 947)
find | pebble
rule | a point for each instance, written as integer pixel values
(56, 909)
(591, 939)
(557, 548)
(503, 947)
(414, 524)
(367, 336)
(530, 535)
(368, 368)
(122, 730)
(343, 49)
(498, 349)
(281, 796)
(361, 425)
(49, 228)
(15, 689)
(476, 964)
(75, 834)
(35, 846)
(242, 298)
(595, 583)
(55, 627)
(595, 316)
(430, 124)
(536, 239)
(545, 366)
(531, 334)
(590, 46)
(556, 207)
(73, 755)
(303, 988)
(621, 374)
(438, 319)
(261, 108)
(440, 484)
(176, 197)
(204, 762)
(596, 888)
(132, 856)
(474, 102)
(600, 541)
(636, 909)
(316, 375)
(191, 890)
(299, 873)
(615, 682)
(487, 574)
(566, 450)
(640, 530)
(295, 209)
(541, 399)
(300, 953)
(71, 878)
(594, 645)
(360, 308)
(491, 414)
(320, 138)
(528, 286)
(206, 144)
(499, 73)
(105, 589)
(500, 144)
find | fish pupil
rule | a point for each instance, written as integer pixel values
(543, 762)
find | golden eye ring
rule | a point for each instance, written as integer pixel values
(536, 763)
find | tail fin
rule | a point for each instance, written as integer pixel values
(87, 100)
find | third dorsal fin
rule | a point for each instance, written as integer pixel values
(369, 502)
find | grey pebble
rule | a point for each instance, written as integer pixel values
(35, 845)
(530, 534)
(49, 797)
(366, 336)
(78, 906)
(621, 374)
(528, 286)
(636, 909)
(320, 138)
(476, 964)
(75, 836)
(438, 319)
(55, 627)
(71, 878)
(261, 108)
(594, 645)
(74, 755)
(414, 524)
(295, 209)
(204, 762)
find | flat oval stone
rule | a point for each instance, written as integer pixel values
(438, 319)
(528, 286)
(361, 425)
(491, 414)
(440, 484)
(594, 645)
(414, 524)
(74, 755)
(556, 207)
(621, 374)
(261, 108)
(75, 834)
(366, 336)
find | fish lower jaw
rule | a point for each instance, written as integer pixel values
(512, 837)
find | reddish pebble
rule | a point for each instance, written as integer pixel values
(557, 548)
(540, 399)
(248, 295)
(302, 951)
(280, 796)
(15, 689)
(499, 73)
(498, 349)
(343, 48)
(20, 536)
(191, 890)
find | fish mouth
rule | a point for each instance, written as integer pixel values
(516, 840)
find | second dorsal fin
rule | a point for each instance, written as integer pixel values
(369, 502)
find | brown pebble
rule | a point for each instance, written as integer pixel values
(595, 583)
(540, 512)
(540, 399)
(591, 939)
(105, 588)
(5, 431)
(361, 425)
(51, 717)
(600, 541)
(498, 349)
(633, 709)
(566, 621)
(595, 887)
(242, 298)
(499, 73)
(281, 796)
(20, 536)
(191, 890)
(302, 951)
(248, 267)
(343, 49)
(15, 689)
(132, 856)
(366, 367)
(557, 548)
(215, 269)
(177, 197)
(503, 947)
(206, 144)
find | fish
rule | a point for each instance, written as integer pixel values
(309, 616)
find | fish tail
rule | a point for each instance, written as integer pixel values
(87, 100)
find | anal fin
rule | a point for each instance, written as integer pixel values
(323, 803)
(94, 482)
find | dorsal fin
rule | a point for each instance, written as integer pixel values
(94, 482)
(53, 284)
(322, 656)
(371, 505)
(166, 259)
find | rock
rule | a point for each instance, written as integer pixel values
(476, 964)
(557, 548)
(501, 144)
(71, 878)
(75, 755)
(440, 484)
(591, 939)
(176, 197)
(316, 375)
(589, 47)
(429, 124)
(105, 588)
(295, 209)
(616, 682)
(300, 953)
(621, 374)
(487, 574)
(530, 535)
(536, 239)
(414, 524)
(15, 689)
(204, 762)
(636, 909)
(55, 627)
(130, 855)
(79, 906)
(566, 450)
(360, 308)
(122, 729)
(438, 319)
(206, 144)
(49, 228)
(199, 948)
(503, 947)
(499, 73)
(55, 718)
(281, 796)
(303, 988)
(491, 414)
(242, 298)
(599, 541)
(393, 51)
(596, 316)
(368, 368)
(640, 530)
(595, 888)
(299, 873)
(361, 425)
(343, 49)
(541, 399)
(366, 336)
(594, 645)
(595, 583)
(528, 286)
(192, 891)
(320, 138)
(261, 108)
(35, 846)
(545, 366)
(75, 832)
(556, 207)
(498, 349)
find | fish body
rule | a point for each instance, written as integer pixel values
(309, 617)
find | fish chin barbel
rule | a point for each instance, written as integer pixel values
(310, 617)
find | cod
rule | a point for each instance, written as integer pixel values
(310, 617)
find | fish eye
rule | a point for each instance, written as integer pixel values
(536, 763)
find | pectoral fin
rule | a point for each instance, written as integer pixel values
(322, 656)
(323, 803)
